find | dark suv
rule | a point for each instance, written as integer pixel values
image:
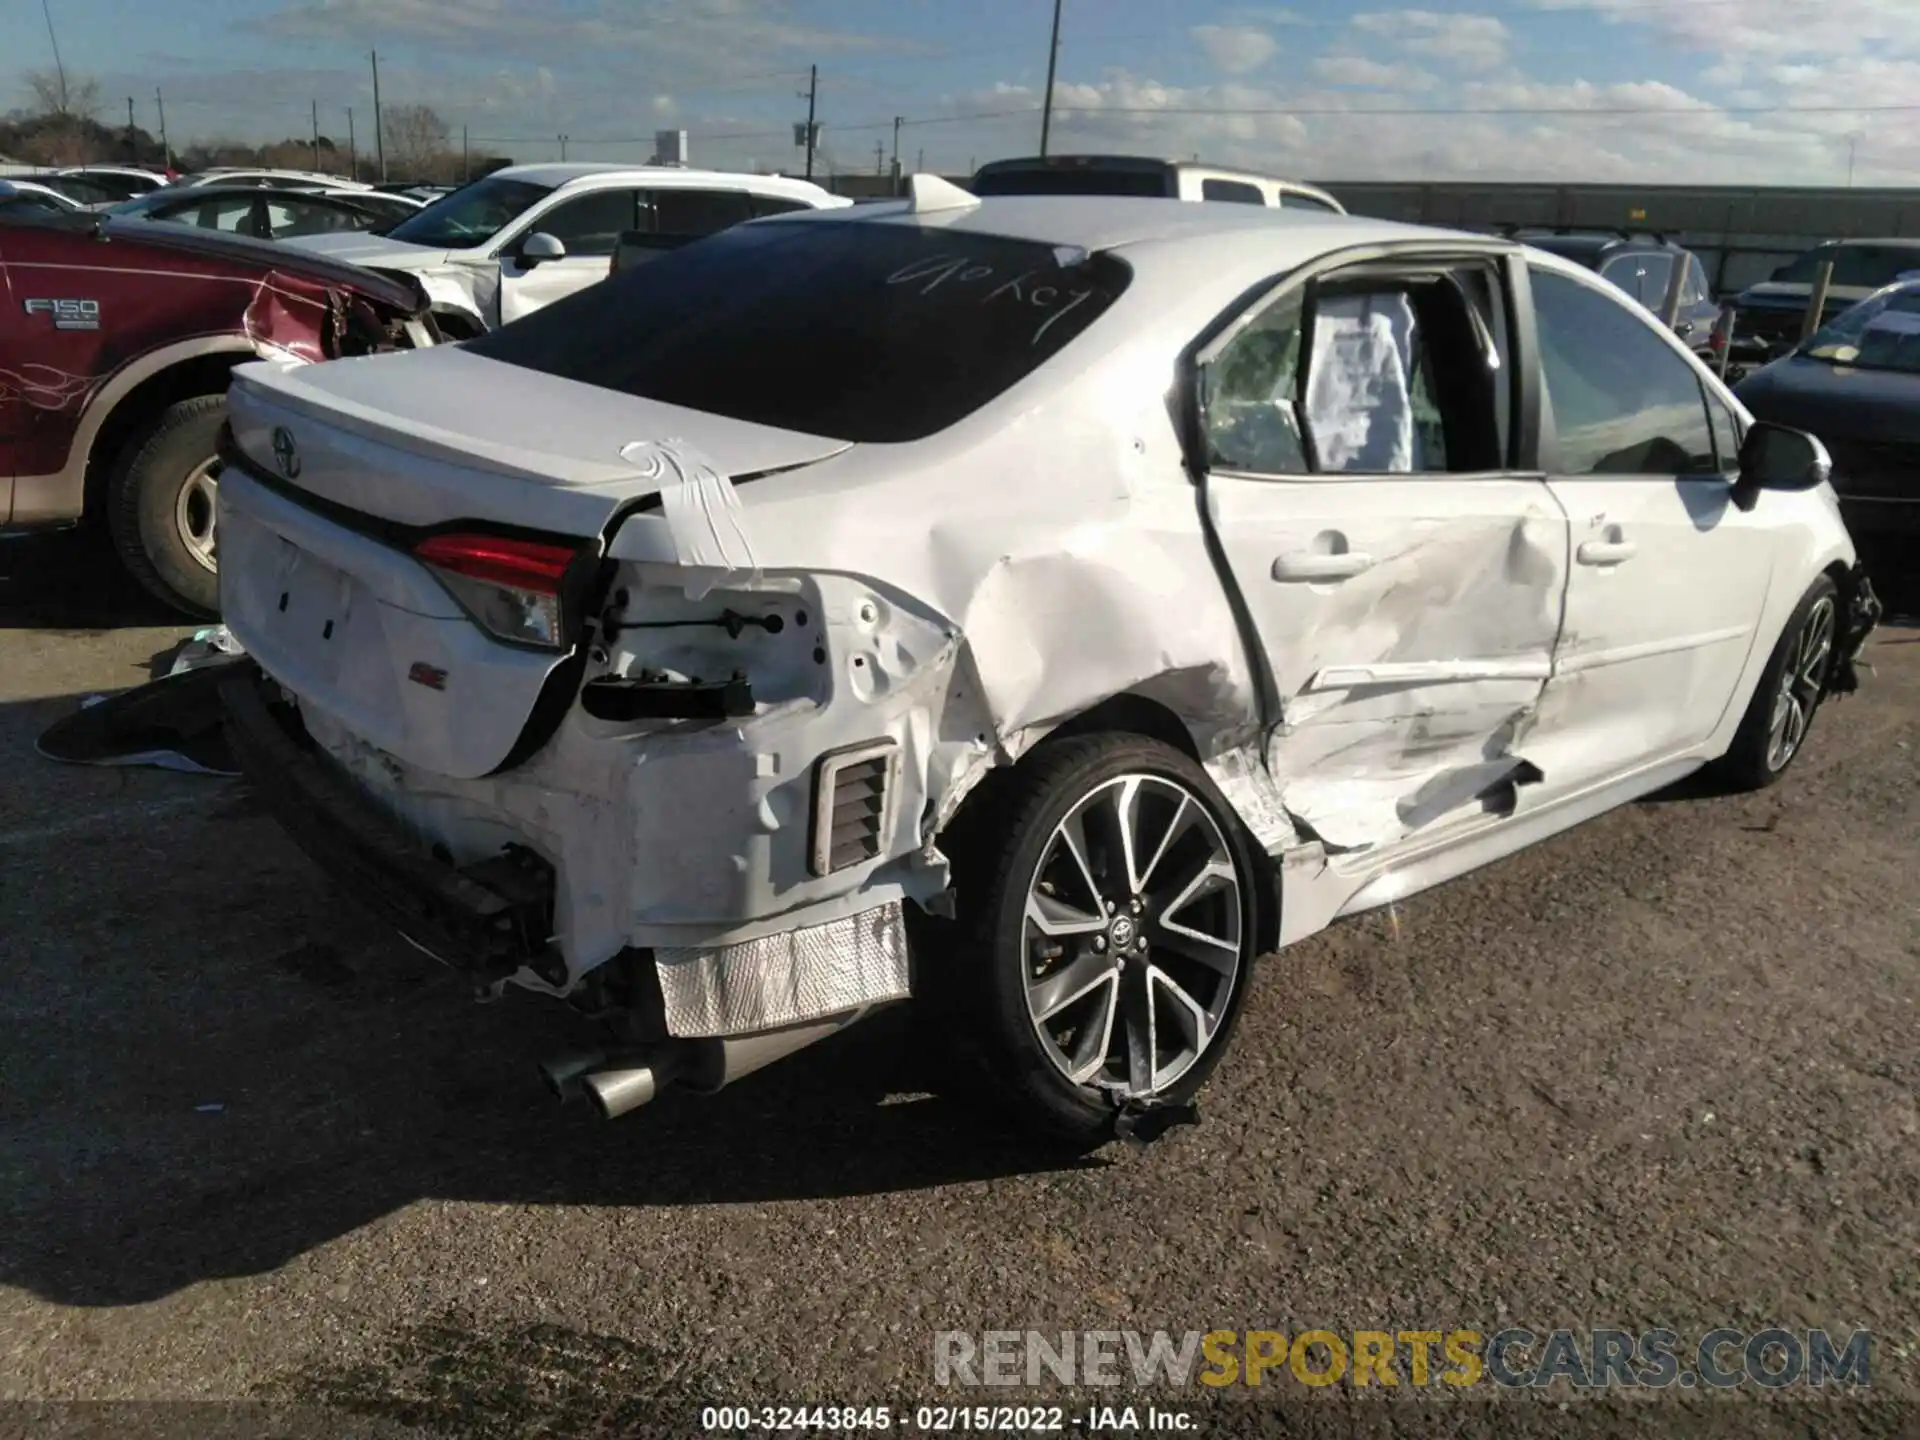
(1642, 264)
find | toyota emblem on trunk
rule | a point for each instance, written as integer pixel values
(285, 453)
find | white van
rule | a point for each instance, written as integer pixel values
(1142, 175)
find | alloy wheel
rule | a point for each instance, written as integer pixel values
(1132, 936)
(1801, 682)
(194, 513)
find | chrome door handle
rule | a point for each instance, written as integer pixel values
(1314, 565)
(1606, 552)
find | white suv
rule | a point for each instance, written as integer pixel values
(528, 235)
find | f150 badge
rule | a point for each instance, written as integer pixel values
(68, 314)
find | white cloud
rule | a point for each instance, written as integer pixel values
(1236, 49)
(1470, 42)
(1357, 70)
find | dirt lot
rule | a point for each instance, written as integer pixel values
(1662, 1071)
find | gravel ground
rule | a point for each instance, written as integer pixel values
(1661, 1071)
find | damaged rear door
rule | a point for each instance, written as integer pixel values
(1363, 430)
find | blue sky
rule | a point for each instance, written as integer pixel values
(1566, 89)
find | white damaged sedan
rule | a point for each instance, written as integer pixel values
(1036, 607)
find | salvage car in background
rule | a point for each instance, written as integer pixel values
(267, 214)
(115, 346)
(1642, 264)
(1143, 176)
(528, 235)
(1856, 384)
(1769, 317)
(117, 182)
(30, 194)
(269, 179)
(834, 592)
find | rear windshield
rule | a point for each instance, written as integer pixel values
(1867, 266)
(855, 330)
(1078, 180)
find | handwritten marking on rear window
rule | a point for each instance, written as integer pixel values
(937, 270)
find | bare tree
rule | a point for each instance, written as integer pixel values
(74, 97)
(418, 141)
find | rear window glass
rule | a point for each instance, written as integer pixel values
(1866, 266)
(856, 330)
(1087, 180)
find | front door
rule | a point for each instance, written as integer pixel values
(1668, 576)
(1404, 580)
(589, 226)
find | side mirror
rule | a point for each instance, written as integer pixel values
(538, 248)
(1772, 457)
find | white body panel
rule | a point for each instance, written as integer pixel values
(963, 595)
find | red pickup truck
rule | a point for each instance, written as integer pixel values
(116, 340)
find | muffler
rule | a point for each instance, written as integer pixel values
(704, 1066)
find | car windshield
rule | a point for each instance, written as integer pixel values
(471, 215)
(1866, 266)
(1882, 332)
(855, 330)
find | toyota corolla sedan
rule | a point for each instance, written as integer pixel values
(1033, 608)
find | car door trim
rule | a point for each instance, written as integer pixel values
(1648, 649)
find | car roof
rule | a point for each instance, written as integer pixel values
(558, 174)
(1106, 222)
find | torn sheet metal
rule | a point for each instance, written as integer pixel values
(465, 290)
(784, 979)
(1243, 779)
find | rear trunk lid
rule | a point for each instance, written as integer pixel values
(344, 468)
(442, 434)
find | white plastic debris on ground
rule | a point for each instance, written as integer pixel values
(207, 647)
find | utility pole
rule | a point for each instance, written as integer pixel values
(1053, 60)
(563, 147)
(59, 68)
(166, 150)
(920, 163)
(1852, 142)
(133, 145)
(896, 154)
(466, 164)
(353, 148)
(379, 130)
(813, 95)
(316, 135)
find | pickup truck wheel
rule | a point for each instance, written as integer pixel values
(160, 507)
(1781, 712)
(1101, 968)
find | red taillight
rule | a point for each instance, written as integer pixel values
(521, 564)
(510, 587)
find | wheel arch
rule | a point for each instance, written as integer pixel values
(1132, 713)
(136, 397)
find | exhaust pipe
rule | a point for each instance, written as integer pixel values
(563, 1073)
(615, 1092)
(703, 1066)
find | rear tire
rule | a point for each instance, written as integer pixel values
(1155, 1005)
(160, 506)
(1774, 730)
